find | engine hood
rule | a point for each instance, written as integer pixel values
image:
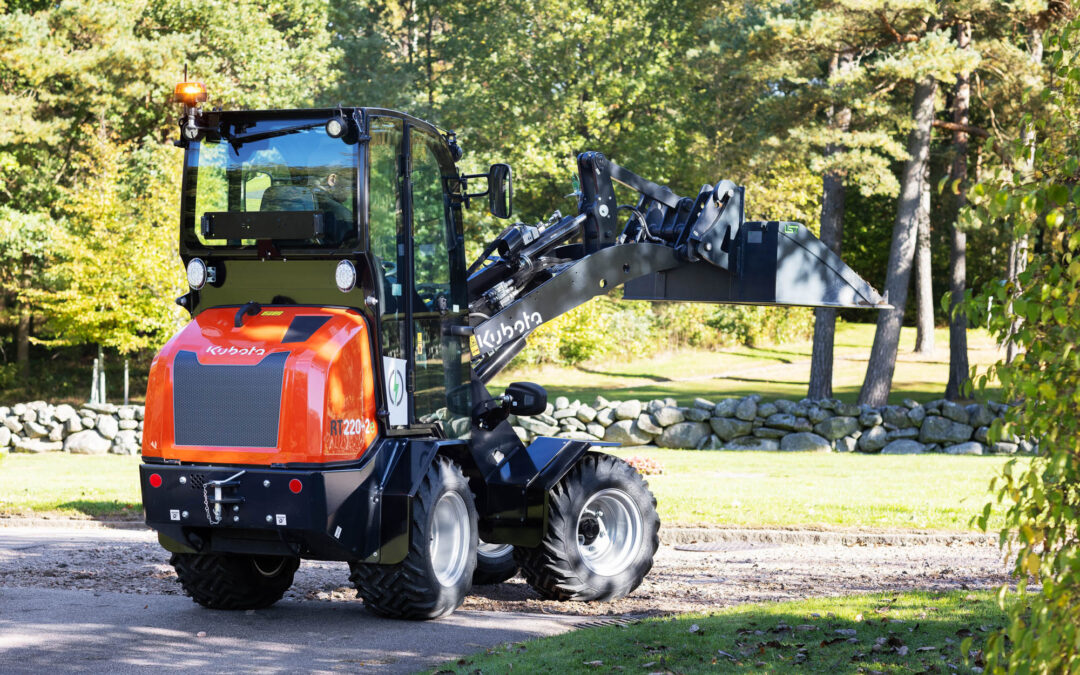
(289, 385)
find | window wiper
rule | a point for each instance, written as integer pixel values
(237, 141)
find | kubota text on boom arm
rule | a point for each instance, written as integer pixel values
(664, 247)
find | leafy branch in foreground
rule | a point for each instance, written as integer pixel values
(1040, 314)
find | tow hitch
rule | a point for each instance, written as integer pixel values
(218, 499)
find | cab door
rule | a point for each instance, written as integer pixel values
(440, 359)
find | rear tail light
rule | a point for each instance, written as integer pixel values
(295, 486)
(155, 480)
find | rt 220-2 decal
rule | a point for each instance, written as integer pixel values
(351, 427)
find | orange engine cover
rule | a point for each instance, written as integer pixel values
(291, 385)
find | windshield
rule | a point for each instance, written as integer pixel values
(285, 181)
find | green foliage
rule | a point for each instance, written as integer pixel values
(1041, 314)
(756, 326)
(607, 327)
(600, 327)
(116, 257)
(89, 180)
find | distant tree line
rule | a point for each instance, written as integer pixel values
(868, 121)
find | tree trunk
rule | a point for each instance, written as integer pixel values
(22, 333)
(832, 234)
(879, 371)
(959, 377)
(924, 291)
(1018, 250)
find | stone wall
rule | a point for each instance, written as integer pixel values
(731, 424)
(91, 429)
(752, 424)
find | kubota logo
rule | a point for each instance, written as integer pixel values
(215, 350)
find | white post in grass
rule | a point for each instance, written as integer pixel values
(101, 374)
(126, 382)
(94, 383)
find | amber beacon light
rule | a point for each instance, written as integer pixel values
(189, 93)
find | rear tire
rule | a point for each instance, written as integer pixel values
(437, 572)
(220, 581)
(602, 534)
(494, 564)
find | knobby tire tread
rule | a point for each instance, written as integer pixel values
(549, 569)
(230, 582)
(406, 590)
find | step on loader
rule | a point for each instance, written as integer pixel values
(327, 400)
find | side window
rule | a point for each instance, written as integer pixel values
(431, 258)
(441, 360)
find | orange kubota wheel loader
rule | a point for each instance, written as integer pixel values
(327, 400)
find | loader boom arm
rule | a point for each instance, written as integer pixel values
(667, 248)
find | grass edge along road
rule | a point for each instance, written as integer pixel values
(887, 633)
(711, 489)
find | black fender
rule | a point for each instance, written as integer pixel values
(400, 466)
(511, 481)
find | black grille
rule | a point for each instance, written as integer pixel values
(197, 481)
(227, 405)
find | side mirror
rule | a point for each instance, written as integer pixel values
(500, 190)
(458, 399)
(526, 398)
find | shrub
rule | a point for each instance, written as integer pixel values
(756, 326)
(1040, 312)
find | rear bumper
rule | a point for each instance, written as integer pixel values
(337, 514)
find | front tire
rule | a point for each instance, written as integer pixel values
(494, 564)
(602, 534)
(220, 581)
(437, 572)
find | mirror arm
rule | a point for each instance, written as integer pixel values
(489, 413)
(467, 196)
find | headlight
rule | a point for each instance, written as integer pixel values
(345, 276)
(196, 273)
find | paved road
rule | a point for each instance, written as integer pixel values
(49, 629)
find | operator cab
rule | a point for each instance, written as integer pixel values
(358, 208)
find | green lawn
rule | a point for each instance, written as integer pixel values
(748, 489)
(73, 486)
(891, 633)
(774, 372)
(934, 492)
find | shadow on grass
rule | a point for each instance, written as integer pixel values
(902, 632)
(629, 376)
(105, 511)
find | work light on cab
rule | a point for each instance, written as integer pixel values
(345, 276)
(336, 127)
(196, 273)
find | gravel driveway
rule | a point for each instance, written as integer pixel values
(131, 561)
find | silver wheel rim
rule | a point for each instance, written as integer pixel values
(486, 550)
(609, 532)
(272, 571)
(449, 547)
